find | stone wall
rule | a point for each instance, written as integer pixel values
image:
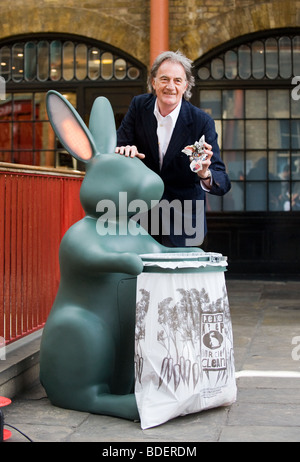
(196, 26)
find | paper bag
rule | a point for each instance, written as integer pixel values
(184, 360)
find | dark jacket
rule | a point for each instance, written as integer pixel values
(139, 128)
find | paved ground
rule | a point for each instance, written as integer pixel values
(266, 327)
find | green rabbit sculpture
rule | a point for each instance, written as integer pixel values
(87, 346)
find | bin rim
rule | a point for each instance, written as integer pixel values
(183, 262)
(212, 257)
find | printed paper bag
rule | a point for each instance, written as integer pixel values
(183, 345)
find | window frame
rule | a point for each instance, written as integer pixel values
(223, 84)
(31, 86)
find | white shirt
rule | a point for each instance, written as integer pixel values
(165, 127)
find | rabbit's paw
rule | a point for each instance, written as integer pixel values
(133, 263)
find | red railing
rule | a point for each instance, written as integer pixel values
(37, 206)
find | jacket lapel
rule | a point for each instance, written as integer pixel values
(180, 134)
(150, 130)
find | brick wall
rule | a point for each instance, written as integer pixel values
(196, 26)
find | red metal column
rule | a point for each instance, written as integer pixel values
(159, 28)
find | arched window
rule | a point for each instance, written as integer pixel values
(62, 60)
(247, 88)
(78, 67)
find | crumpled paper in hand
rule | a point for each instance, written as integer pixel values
(196, 151)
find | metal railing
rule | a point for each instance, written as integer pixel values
(37, 206)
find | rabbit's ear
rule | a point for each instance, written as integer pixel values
(102, 125)
(69, 127)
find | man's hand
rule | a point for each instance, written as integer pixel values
(129, 151)
(202, 173)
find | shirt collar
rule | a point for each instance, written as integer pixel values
(173, 115)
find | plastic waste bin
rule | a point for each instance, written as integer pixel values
(184, 360)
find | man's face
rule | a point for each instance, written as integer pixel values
(169, 84)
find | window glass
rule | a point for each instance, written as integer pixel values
(210, 102)
(285, 57)
(5, 63)
(39, 103)
(295, 134)
(25, 133)
(296, 55)
(279, 167)
(203, 73)
(58, 60)
(278, 200)
(17, 62)
(295, 108)
(81, 61)
(279, 103)
(256, 134)
(234, 161)
(296, 165)
(279, 134)
(68, 61)
(94, 63)
(6, 156)
(271, 58)
(30, 61)
(258, 60)
(55, 60)
(133, 73)
(217, 68)
(256, 104)
(234, 199)
(256, 165)
(5, 138)
(230, 64)
(218, 126)
(256, 196)
(259, 123)
(6, 108)
(295, 200)
(233, 134)
(107, 66)
(120, 69)
(280, 193)
(214, 203)
(43, 61)
(233, 104)
(244, 55)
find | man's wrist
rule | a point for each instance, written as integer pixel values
(207, 177)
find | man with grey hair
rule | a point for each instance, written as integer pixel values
(158, 128)
(175, 57)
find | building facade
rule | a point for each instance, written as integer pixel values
(246, 56)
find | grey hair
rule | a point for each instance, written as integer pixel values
(178, 58)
